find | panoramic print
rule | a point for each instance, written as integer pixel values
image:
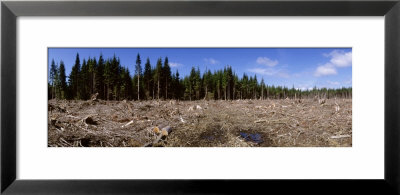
(199, 97)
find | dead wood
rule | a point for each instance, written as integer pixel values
(340, 136)
(94, 97)
(279, 123)
(166, 130)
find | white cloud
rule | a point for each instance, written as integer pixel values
(340, 58)
(266, 61)
(174, 64)
(327, 69)
(211, 61)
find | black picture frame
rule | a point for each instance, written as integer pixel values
(10, 10)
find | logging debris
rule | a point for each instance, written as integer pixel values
(203, 123)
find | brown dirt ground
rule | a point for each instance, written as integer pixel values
(239, 123)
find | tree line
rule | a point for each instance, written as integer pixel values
(112, 81)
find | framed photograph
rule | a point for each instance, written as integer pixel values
(223, 97)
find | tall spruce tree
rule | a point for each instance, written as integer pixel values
(138, 71)
(114, 75)
(84, 81)
(262, 88)
(74, 78)
(63, 83)
(126, 84)
(206, 82)
(177, 86)
(167, 76)
(100, 84)
(92, 63)
(53, 78)
(147, 78)
(197, 83)
(192, 82)
(107, 79)
(157, 76)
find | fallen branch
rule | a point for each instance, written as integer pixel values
(127, 124)
(260, 121)
(340, 136)
(63, 140)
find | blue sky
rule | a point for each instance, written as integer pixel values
(301, 67)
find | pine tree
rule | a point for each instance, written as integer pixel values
(100, 85)
(255, 86)
(229, 79)
(219, 86)
(177, 86)
(53, 78)
(74, 78)
(225, 82)
(107, 79)
(167, 76)
(262, 88)
(84, 81)
(138, 71)
(235, 85)
(63, 83)
(188, 88)
(245, 86)
(147, 77)
(192, 82)
(197, 83)
(206, 82)
(114, 76)
(126, 84)
(157, 76)
(92, 63)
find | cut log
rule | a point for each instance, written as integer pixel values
(166, 130)
(164, 133)
(157, 129)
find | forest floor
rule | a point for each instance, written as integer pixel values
(238, 123)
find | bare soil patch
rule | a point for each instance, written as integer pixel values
(238, 123)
